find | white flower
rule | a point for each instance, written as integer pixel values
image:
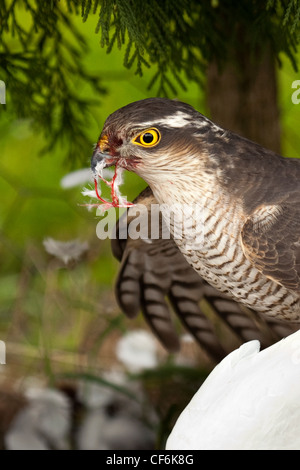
(137, 350)
(42, 424)
(66, 251)
(76, 178)
(95, 394)
(114, 420)
(82, 176)
(123, 431)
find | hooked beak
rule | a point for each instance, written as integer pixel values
(102, 159)
(101, 155)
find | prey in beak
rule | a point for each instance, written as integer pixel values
(102, 158)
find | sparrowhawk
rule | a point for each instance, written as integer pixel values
(247, 200)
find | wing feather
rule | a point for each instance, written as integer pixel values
(155, 278)
(270, 240)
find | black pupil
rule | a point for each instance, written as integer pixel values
(148, 138)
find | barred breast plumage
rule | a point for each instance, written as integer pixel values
(155, 278)
(249, 199)
(216, 253)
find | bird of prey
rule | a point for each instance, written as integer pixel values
(240, 203)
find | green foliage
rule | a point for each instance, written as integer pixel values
(41, 62)
(183, 35)
(42, 52)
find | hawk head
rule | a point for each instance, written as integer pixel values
(176, 149)
(157, 138)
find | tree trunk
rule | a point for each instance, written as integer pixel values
(242, 97)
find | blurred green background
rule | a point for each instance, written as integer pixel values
(43, 306)
(58, 319)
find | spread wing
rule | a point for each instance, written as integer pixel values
(271, 240)
(155, 278)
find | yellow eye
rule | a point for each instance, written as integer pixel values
(147, 138)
